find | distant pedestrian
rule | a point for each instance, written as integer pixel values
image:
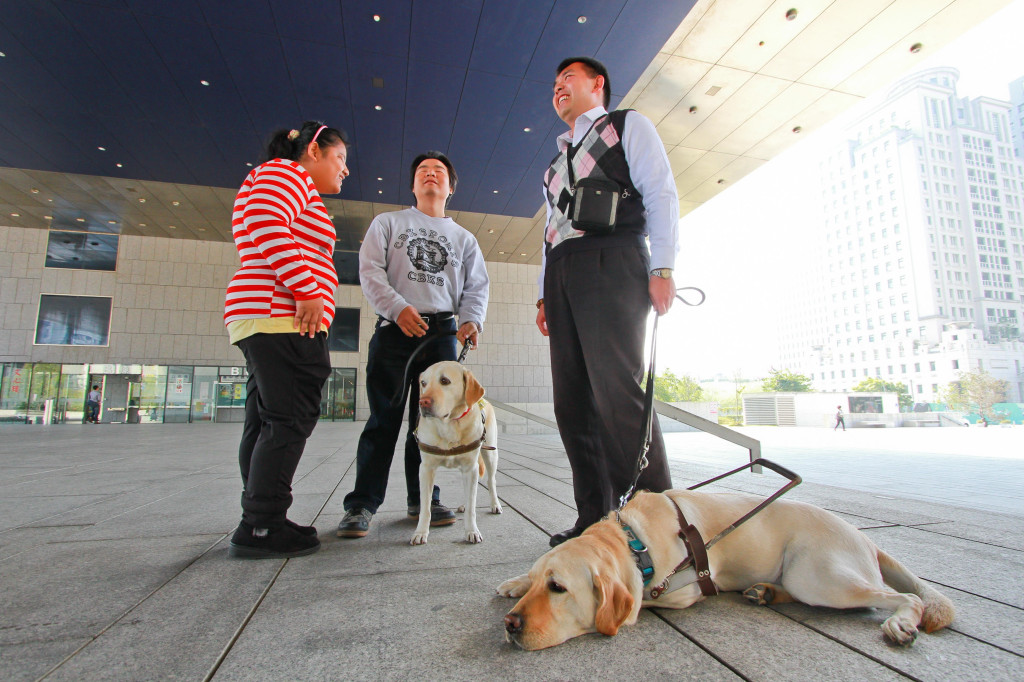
(839, 418)
(92, 406)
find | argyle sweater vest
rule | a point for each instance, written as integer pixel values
(598, 155)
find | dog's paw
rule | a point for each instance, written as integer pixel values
(419, 538)
(899, 631)
(473, 537)
(515, 587)
(760, 594)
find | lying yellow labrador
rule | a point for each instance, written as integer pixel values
(790, 551)
(458, 430)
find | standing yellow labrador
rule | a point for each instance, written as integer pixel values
(457, 430)
(790, 551)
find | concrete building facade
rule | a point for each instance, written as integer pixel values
(156, 343)
(920, 268)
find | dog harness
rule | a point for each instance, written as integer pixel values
(640, 554)
(692, 569)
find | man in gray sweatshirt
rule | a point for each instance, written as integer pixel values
(420, 271)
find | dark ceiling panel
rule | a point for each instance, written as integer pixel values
(317, 68)
(249, 16)
(432, 103)
(508, 36)
(532, 109)
(443, 33)
(470, 173)
(183, 10)
(389, 36)
(483, 109)
(317, 21)
(564, 36)
(260, 73)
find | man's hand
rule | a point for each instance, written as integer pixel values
(410, 322)
(309, 316)
(662, 292)
(468, 330)
(542, 320)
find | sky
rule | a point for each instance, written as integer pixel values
(742, 247)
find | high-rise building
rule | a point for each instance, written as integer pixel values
(1017, 115)
(920, 274)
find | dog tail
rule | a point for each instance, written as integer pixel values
(938, 609)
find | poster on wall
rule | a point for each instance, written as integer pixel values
(73, 320)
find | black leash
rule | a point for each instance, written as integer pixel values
(645, 443)
(400, 393)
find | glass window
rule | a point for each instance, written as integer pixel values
(179, 394)
(347, 265)
(71, 400)
(343, 335)
(17, 381)
(82, 251)
(151, 394)
(73, 320)
(203, 394)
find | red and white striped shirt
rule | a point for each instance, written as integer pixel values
(285, 240)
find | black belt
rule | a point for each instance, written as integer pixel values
(432, 319)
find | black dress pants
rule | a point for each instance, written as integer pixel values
(389, 352)
(596, 303)
(282, 404)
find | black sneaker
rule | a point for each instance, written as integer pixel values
(440, 515)
(279, 542)
(303, 530)
(356, 523)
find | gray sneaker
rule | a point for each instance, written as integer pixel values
(356, 523)
(440, 515)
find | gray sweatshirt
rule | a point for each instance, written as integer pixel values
(433, 264)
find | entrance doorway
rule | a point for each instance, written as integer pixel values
(119, 397)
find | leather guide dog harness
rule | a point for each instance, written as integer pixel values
(693, 569)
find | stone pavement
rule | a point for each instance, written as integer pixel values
(113, 556)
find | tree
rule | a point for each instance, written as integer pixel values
(672, 389)
(876, 385)
(977, 390)
(785, 381)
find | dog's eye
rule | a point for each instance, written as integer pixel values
(423, 383)
(555, 587)
(445, 381)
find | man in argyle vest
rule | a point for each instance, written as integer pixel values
(596, 289)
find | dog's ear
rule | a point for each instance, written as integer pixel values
(474, 391)
(615, 603)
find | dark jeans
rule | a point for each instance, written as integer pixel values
(92, 411)
(389, 352)
(596, 303)
(282, 404)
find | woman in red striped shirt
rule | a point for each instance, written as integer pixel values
(279, 306)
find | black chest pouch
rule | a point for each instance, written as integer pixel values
(594, 205)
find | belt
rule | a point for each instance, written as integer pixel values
(432, 319)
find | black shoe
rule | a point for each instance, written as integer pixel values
(279, 542)
(440, 515)
(303, 530)
(559, 538)
(356, 523)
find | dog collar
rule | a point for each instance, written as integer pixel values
(640, 554)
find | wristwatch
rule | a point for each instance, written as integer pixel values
(664, 273)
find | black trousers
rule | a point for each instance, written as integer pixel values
(596, 303)
(282, 404)
(389, 352)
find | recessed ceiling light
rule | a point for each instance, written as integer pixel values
(171, 227)
(721, 181)
(490, 231)
(2, 54)
(380, 191)
(204, 82)
(791, 14)
(501, 253)
(915, 48)
(522, 254)
(119, 165)
(102, 149)
(331, 217)
(378, 107)
(797, 129)
(111, 222)
(15, 215)
(380, 179)
(376, 17)
(693, 109)
(81, 220)
(581, 19)
(526, 130)
(142, 224)
(142, 201)
(495, 191)
(248, 164)
(175, 203)
(34, 190)
(50, 200)
(48, 217)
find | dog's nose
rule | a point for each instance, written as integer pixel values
(426, 402)
(514, 623)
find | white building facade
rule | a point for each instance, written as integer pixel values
(920, 273)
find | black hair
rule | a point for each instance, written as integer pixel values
(95, 386)
(594, 69)
(453, 177)
(282, 146)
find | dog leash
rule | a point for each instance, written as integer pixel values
(645, 443)
(400, 393)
